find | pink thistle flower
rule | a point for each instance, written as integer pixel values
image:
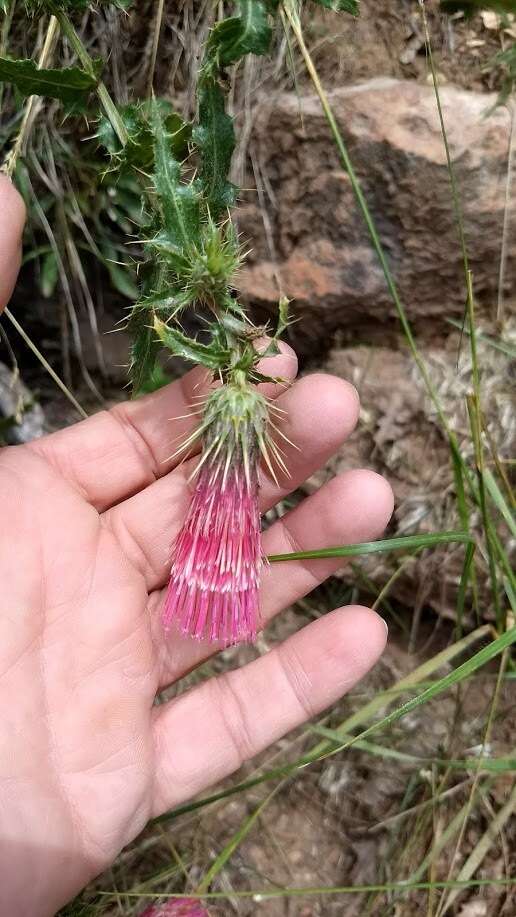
(177, 907)
(217, 559)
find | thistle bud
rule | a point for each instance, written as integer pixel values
(214, 581)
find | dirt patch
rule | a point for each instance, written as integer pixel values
(358, 818)
(388, 39)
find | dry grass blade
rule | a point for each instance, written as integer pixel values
(35, 350)
(482, 847)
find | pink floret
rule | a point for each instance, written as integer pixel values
(214, 581)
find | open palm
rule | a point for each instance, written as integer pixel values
(88, 517)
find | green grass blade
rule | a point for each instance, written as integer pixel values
(467, 571)
(289, 13)
(266, 894)
(365, 713)
(483, 846)
(44, 362)
(230, 848)
(462, 671)
(475, 419)
(440, 842)
(499, 501)
(403, 543)
(500, 765)
(504, 346)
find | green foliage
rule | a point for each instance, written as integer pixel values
(213, 355)
(341, 6)
(156, 380)
(138, 152)
(232, 38)
(191, 249)
(39, 7)
(215, 139)
(507, 60)
(195, 256)
(178, 202)
(49, 274)
(210, 265)
(283, 316)
(120, 274)
(70, 85)
(144, 349)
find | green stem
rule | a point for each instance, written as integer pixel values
(476, 434)
(300, 892)
(105, 99)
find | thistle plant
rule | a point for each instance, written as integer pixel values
(192, 256)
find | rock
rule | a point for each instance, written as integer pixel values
(318, 249)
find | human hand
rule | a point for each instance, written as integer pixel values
(88, 518)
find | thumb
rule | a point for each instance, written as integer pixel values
(12, 221)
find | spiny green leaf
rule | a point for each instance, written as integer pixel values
(70, 85)
(39, 7)
(138, 152)
(210, 355)
(272, 349)
(283, 316)
(121, 276)
(215, 139)
(179, 202)
(249, 33)
(144, 350)
(168, 251)
(156, 380)
(340, 6)
(167, 304)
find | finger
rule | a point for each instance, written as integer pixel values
(351, 508)
(235, 716)
(116, 453)
(147, 524)
(12, 221)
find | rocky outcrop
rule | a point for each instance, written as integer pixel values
(313, 243)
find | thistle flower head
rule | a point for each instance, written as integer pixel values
(213, 589)
(176, 907)
(211, 263)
